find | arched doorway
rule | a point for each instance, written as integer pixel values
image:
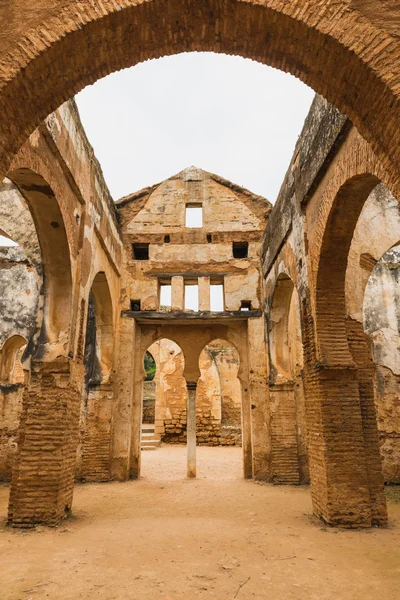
(164, 410)
(287, 398)
(93, 454)
(344, 358)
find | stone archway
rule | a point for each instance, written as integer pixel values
(341, 51)
(289, 454)
(55, 253)
(345, 376)
(93, 456)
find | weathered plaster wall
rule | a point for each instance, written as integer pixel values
(373, 299)
(308, 237)
(20, 300)
(77, 233)
(148, 216)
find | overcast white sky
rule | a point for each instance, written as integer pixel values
(228, 115)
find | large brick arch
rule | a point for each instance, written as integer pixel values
(55, 321)
(330, 302)
(53, 51)
(344, 359)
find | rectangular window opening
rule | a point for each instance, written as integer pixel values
(167, 239)
(245, 305)
(165, 295)
(240, 249)
(135, 305)
(191, 295)
(217, 296)
(194, 215)
(209, 238)
(140, 251)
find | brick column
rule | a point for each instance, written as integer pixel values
(177, 293)
(285, 462)
(44, 470)
(204, 293)
(97, 438)
(191, 428)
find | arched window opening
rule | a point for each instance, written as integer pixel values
(102, 324)
(55, 265)
(11, 360)
(286, 349)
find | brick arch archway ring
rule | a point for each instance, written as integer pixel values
(334, 48)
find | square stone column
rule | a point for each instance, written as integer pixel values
(177, 293)
(191, 428)
(204, 293)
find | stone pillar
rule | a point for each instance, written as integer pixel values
(243, 376)
(44, 470)
(246, 432)
(137, 407)
(259, 400)
(204, 293)
(177, 293)
(122, 403)
(191, 428)
(97, 438)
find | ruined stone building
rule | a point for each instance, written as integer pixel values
(226, 305)
(309, 287)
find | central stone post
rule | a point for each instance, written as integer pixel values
(191, 428)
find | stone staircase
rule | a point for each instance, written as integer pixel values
(149, 441)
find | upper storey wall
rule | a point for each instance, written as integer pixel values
(65, 134)
(229, 214)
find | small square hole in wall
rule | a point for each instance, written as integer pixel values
(245, 305)
(240, 249)
(135, 305)
(167, 239)
(194, 215)
(140, 251)
(209, 238)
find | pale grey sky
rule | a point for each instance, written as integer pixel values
(228, 115)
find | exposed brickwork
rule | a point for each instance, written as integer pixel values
(97, 435)
(47, 443)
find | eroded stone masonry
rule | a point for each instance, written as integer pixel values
(195, 312)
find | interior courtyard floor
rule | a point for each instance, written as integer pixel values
(168, 538)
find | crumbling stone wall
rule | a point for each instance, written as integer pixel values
(76, 238)
(20, 285)
(309, 236)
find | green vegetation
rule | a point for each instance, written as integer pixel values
(149, 366)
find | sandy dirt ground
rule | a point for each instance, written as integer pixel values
(168, 538)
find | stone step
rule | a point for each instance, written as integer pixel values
(150, 443)
(150, 436)
(148, 428)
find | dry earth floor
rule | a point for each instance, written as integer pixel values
(216, 537)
